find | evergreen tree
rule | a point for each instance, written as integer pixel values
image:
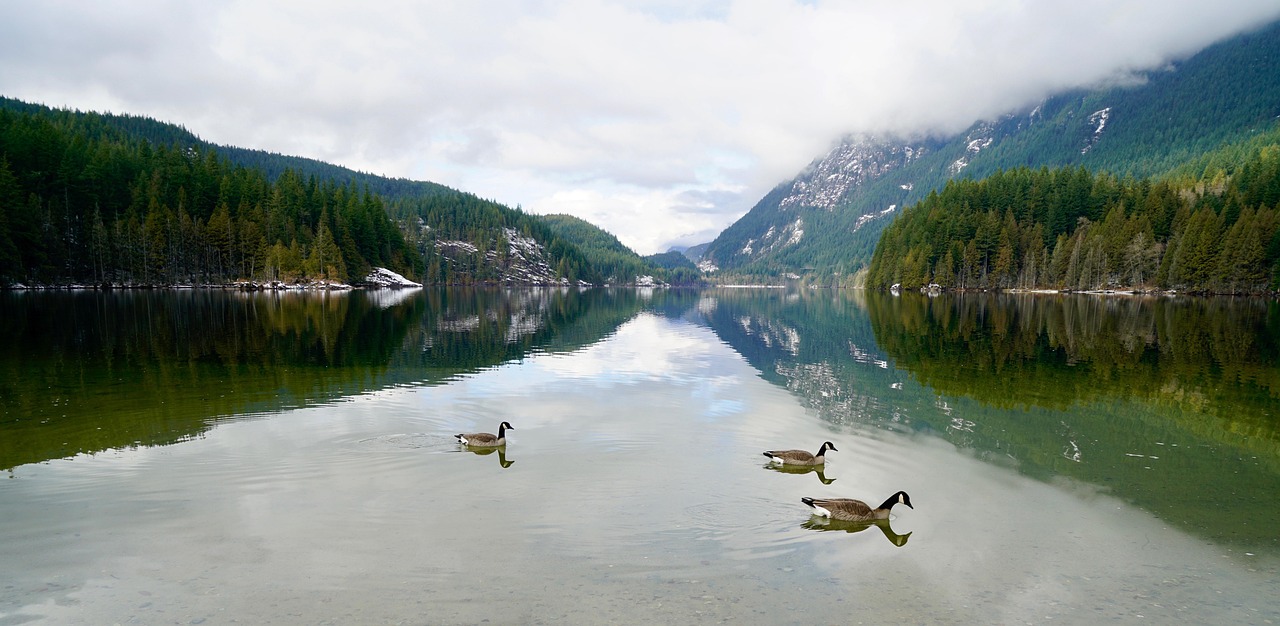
(1214, 242)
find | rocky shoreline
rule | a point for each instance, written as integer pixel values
(379, 278)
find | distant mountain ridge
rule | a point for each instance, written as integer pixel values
(270, 163)
(825, 223)
(693, 253)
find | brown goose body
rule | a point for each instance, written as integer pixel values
(801, 457)
(486, 440)
(850, 510)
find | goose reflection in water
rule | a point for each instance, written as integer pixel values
(801, 469)
(817, 522)
(501, 452)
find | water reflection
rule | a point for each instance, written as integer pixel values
(500, 451)
(1010, 350)
(820, 523)
(1147, 398)
(85, 372)
(639, 498)
(818, 345)
(801, 469)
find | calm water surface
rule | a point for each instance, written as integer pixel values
(208, 457)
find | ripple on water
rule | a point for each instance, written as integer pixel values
(750, 527)
(430, 442)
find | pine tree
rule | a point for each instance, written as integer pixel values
(325, 261)
(10, 196)
(220, 232)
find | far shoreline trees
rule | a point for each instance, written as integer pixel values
(1070, 229)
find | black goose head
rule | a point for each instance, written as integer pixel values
(898, 498)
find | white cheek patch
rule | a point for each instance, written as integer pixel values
(821, 511)
(463, 440)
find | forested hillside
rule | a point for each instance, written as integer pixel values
(463, 239)
(825, 223)
(617, 263)
(134, 127)
(675, 268)
(84, 201)
(1072, 229)
(90, 198)
(671, 260)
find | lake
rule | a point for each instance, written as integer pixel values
(211, 457)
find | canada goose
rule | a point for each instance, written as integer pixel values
(486, 440)
(801, 457)
(855, 510)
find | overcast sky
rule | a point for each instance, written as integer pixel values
(662, 122)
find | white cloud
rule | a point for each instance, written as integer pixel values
(631, 105)
(685, 221)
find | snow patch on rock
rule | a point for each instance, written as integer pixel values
(1099, 121)
(863, 220)
(383, 278)
(854, 162)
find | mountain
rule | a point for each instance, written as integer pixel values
(617, 263)
(86, 201)
(93, 198)
(463, 239)
(676, 268)
(693, 253)
(671, 259)
(120, 126)
(825, 223)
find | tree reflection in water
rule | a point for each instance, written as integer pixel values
(88, 371)
(1148, 398)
